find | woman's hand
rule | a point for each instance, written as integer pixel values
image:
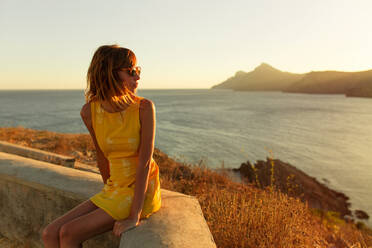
(124, 225)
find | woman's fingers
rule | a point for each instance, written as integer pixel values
(116, 229)
(123, 226)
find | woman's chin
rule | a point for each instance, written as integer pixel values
(133, 90)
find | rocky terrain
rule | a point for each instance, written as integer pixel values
(292, 181)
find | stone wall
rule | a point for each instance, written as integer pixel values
(33, 193)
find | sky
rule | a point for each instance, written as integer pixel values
(180, 44)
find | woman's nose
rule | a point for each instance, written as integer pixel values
(137, 77)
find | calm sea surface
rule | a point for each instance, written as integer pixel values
(326, 136)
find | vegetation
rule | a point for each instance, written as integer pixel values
(238, 215)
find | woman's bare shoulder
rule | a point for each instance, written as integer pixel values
(85, 111)
(147, 111)
(146, 104)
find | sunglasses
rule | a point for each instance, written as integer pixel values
(134, 71)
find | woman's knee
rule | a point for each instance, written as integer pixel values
(50, 233)
(66, 234)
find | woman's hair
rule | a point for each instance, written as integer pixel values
(103, 83)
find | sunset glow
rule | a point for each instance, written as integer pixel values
(180, 44)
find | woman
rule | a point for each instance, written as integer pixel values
(122, 127)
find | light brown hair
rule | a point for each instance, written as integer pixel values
(103, 83)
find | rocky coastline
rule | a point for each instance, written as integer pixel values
(293, 182)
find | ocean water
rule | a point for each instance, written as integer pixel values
(327, 136)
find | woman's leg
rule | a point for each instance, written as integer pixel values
(51, 231)
(76, 231)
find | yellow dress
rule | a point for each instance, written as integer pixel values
(118, 136)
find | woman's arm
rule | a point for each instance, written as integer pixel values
(102, 162)
(146, 149)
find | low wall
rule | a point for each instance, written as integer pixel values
(33, 193)
(36, 154)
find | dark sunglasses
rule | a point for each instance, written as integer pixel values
(134, 71)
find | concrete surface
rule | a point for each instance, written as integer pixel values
(36, 154)
(179, 223)
(33, 193)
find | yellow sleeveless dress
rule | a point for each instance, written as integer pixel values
(118, 136)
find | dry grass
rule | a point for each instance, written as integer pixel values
(6, 243)
(238, 215)
(244, 216)
(79, 146)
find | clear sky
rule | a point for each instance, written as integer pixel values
(180, 44)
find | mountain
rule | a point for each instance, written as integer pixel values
(267, 78)
(262, 78)
(334, 82)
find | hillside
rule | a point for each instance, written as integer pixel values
(238, 215)
(334, 82)
(262, 78)
(294, 182)
(267, 78)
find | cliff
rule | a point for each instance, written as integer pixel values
(293, 182)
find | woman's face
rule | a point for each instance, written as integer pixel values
(129, 81)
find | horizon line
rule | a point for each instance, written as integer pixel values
(138, 89)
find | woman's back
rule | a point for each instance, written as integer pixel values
(118, 135)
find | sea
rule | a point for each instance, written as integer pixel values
(329, 137)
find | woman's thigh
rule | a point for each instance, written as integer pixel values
(81, 209)
(87, 226)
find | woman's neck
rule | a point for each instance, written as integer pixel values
(110, 108)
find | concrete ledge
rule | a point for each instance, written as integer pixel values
(37, 154)
(179, 223)
(33, 193)
(85, 167)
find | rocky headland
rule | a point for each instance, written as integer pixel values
(263, 78)
(268, 78)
